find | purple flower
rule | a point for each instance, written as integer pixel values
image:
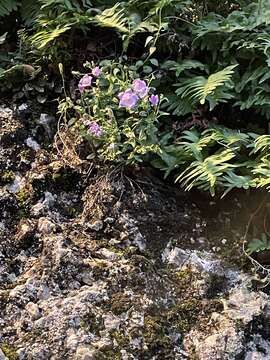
(128, 99)
(96, 71)
(154, 99)
(85, 82)
(94, 128)
(140, 88)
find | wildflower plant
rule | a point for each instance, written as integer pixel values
(118, 112)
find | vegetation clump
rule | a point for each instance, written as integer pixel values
(7, 177)
(9, 351)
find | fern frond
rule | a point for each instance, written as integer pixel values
(58, 6)
(199, 88)
(228, 137)
(114, 18)
(262, 173)
(193, 142)
(43, 37)
(231, 181)
(205, 174)
(262, 143)
(7, 6)
(178, 106)
(179, 68)
(29, 11)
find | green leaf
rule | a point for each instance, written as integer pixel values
(3, 38)
(257, 245)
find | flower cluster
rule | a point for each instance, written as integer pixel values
(86, 81)
(93, 128)
(139, 90)
(129, 99)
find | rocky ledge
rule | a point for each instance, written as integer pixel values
(109, 264)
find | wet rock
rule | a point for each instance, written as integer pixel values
(40, 353)
(109, 220)
(256, 355)
(79, 294)
(258, 349)
(44, 204)
(180, 257)
(131, 231)
(110, 255)
(16, 185)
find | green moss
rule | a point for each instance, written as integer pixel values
(22, 197)
(114, 354)
(185, 314)
(108, 355)
(184, 277)
(100, 268)
(120, 303)
(7, 177)
(25, 155)
(155, 336)
(121, 339)
(193, 312)
(9, 351)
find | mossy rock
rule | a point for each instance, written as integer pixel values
(154, 333)
(7, 177)
(120, 303)
(9, 351)
(23, 198)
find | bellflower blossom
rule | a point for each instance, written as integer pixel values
(85, 82)
(93, 128)
(96, 71)
(128, 99)
(140, 88)
(154, 99)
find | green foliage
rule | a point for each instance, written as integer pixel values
(7, 6)
(124, 134)
(220, 158)
(257, 245)
(9, 351)
(113, 18)
(199, 89)
(242, 37)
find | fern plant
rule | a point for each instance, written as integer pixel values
(218, 158)
(242, 37)
(198, 89)
(114, 18)
(7, 6)
(205, 174)
(194, 90)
